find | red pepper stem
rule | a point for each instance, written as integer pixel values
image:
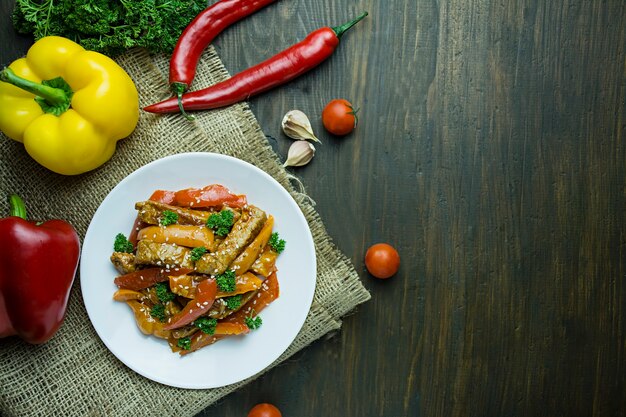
(52, 95)
(340, 30)
(179, 89)
(17, 206)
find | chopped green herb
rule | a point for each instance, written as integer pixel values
(158, 312)
(169, 217)
(233, 302)
(226, 281)
(122, 244)
(276, 243)
(254, 323)
(205, 324)
(196, 253)
(184, 343)
(163, 292)
(221, 222)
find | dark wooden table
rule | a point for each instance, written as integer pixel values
(491, 151)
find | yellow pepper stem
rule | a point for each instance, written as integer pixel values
(54, 96)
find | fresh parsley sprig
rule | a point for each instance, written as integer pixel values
(163, 292)
(205, 324)
(226, 281)
(253, 323)
(233, 302)
(196, 253)
(276, 243)
(184, 343)
(158, 312)
(221, 222)
(168, 217)
(121, 244)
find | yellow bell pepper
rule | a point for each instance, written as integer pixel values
(67, 105)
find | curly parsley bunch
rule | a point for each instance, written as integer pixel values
(109, 27)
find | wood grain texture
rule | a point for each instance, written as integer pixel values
(491, 152)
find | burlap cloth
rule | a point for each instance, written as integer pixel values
(74, 374)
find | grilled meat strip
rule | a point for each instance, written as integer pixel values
(151, 212)
(123, 262)
(152, 253)
(242, 234)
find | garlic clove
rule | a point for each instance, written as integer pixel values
(297, 126)
(300, 153)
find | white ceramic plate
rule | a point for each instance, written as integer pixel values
(230, 360)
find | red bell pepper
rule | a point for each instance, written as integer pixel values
(205, 296)
(37, 268)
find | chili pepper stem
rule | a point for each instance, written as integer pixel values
(54, 96)
(340, 30)
(179, 89)
(17, 206)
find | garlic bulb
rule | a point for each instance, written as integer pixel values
(297, 126)
(300, 153)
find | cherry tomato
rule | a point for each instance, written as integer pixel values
(264, 410)
(382, 260)
(339, 117)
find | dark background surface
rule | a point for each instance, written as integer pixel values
(491, 152)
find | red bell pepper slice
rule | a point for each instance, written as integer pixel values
(137, 226)
(145, 278)
(206, 291)
(210, 196)
(163, 196)
(223, 329)
(265, 296)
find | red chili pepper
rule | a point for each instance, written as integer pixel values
(279, 69)
(199, 33)
(38, 264)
